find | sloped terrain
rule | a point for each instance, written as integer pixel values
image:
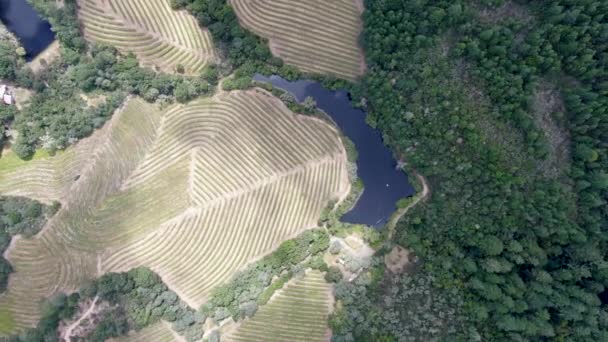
(298, 312)
(157, 332)
(193, 192)
(315, 35)
(156, 34)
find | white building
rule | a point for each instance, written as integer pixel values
(6, 95)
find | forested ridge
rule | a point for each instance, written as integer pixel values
(452, 89)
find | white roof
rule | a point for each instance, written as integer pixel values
(8, 99)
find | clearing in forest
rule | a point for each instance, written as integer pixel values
(298, 312)
(159, 36)
(317, 36)
(193, 192)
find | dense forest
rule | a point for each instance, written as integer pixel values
(515, 223)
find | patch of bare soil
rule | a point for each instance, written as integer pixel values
(88, 316)
(45, 57)
(362, 64)
(360, 5)
(93, 100)
(274, 46)
(508, 10)
(400, 260)
(548, 108)
(226, 329)
(353, 254)
(22, 97)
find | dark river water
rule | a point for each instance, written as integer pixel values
(33, 32)
(384, 185)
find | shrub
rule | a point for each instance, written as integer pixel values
(248, 309)
(333, 275)
(335, 247)
(214, 336)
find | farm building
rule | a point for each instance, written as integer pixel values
(5, 94)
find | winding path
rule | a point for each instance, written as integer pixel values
(68, 331)
(400, 212)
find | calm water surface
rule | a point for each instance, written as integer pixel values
(384, 185)
(33, 32)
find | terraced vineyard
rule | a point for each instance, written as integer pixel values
(296, 313)
(317, 36)
(158, 35)
(193, 192)
(157, 332)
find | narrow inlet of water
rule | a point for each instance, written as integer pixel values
(384, 183)
(34, 33)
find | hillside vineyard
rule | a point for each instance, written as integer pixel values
(194, 192)
(297, 313)
(314, 35)
(159, 36)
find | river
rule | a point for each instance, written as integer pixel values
(384, 184)
(23, 21)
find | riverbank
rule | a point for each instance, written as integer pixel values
(384, 183)
(7, 36)
(45, 57)
(420, 196)
(33, 33)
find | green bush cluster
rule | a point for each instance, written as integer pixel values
(237, 43)
(19, 216)
(113, 324)
(255, 284)
(10, 61)
(57, 115)
(142, 299)
(508, 82)
(407, 309)
(333, 275)
(274, 286)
